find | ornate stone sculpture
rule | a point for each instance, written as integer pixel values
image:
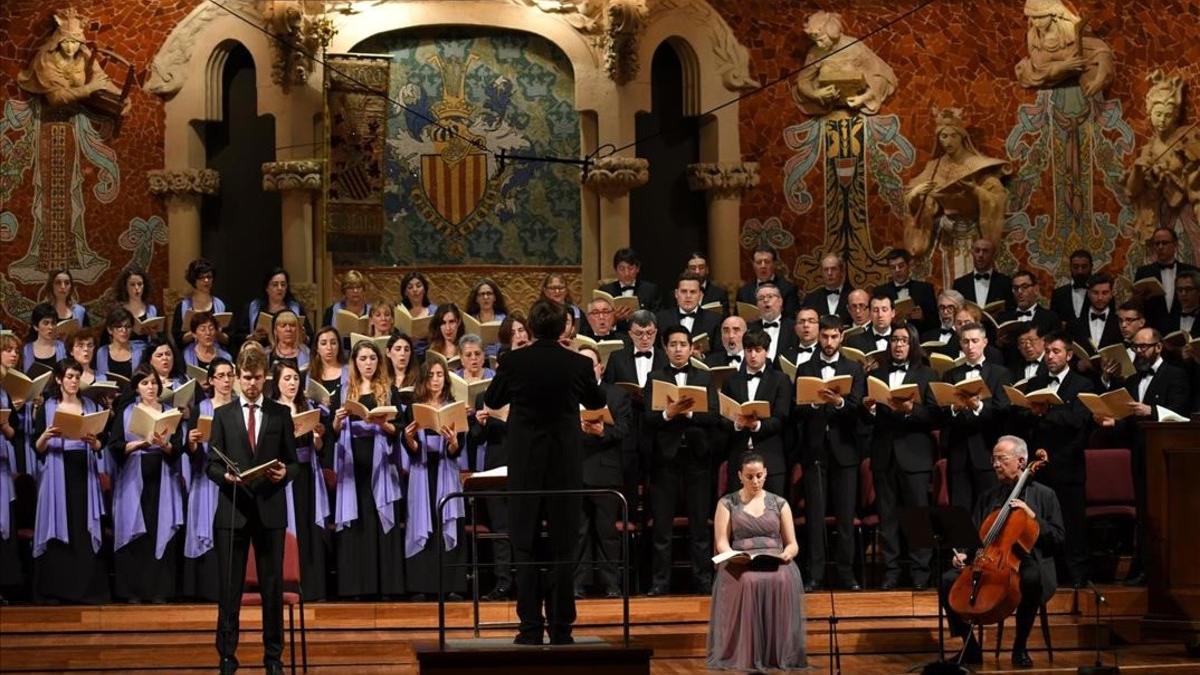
(613, 177)
(64, 70)
(183, 183)
(724, 178)
(1059, 51)
(296, 174)
(626, 21)
(956, 198)
(853, 78)
(1165, 178)
(300, 31)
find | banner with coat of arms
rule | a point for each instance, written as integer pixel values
(466, 95)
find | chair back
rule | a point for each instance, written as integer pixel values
(866, 487)
(940, 486)
(1109, 477)
(251, 569)
(291, 561)
(723, 480)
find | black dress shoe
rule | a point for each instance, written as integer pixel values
(500, 592)
(274, 668)
(579, 594)
(612, 593)
(528, 639)
(1138, 579)
(562, 640)
(657, 590)
(1020, 659)
(418, 597)
(811, 586)
(454, 597)
(889, 585)
(920, 586)
(853, 586)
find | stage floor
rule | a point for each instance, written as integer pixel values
(879, 632)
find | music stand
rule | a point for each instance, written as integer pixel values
(939, 528)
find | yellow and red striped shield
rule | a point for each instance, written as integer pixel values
(454, 189)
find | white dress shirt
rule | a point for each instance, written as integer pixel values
(258, 416)
(1096, 326)
(1078, 298)
(804, 357)
(643, 366)
(832, 300)
(1144, 383)
(1168, 283)
(774, 333)
(982, 286)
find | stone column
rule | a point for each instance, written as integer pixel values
(181, 190)
(297, 181)
(612, 178)
(724, 182)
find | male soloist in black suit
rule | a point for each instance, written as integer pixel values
(687, 311)
(544, 385)
(829, 454)
(903, 287)
(1098, 327)
(627, 266)
(984, 285)
(1069, 301)
(902, 451)
(759, 382)
(252, 430)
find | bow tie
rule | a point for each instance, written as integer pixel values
(828, 364)
(735, 357)
(1033, 364)
(1079, 285)
(899, 367)
(1024, 312)
(978, 367)
(687, 315)
(1148, 371)
(678, 371)
(1194, 313)
(628, 288)
(1165, 266)
(983, 276)
(900, 287)
(643, 355)
(805, 350)
(753, 376)
(1102, 316)
(770, 324)
(836, 291)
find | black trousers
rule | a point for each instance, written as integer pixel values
(968, 482)
(693, 476)
(1072, 499)
(599, 542)
(894, 489)
(555, 588)
(268, 559)
(839, 485)
(497, 514)
(1031, 599)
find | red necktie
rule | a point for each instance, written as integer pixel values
(250, 427)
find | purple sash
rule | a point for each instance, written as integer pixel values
(8, 460)
(128, 521)
(51, 519)
(190, 358)
(305, 455)
(31, 459)
(420, 518)
(385, 476)
(201, 497)
(136, 350)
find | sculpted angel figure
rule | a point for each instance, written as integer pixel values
(853, 78)
(64, 69)
(1166, 173)
(957, 198)
(1059, 51)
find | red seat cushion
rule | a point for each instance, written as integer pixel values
(1111, 510)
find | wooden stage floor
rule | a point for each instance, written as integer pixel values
(879, 632)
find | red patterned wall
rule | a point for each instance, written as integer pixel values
(135, 30)
(952, 53)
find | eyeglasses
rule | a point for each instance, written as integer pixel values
(556, 289)
(1000, 459)
(947, 308)
(1142, 346)
(901, 339)
(600, 312)
(1021, 287)
(642, 333)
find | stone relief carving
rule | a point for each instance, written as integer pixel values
(613, 177)
(299, 29)
(170, 183)
(1059, 51)
(298, 174)
(625, 23)
(1165, 178)
(169, 69)
(849, 76)
(724, 179)
(956, 198)
(65, 70)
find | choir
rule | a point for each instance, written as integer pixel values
(104, 420)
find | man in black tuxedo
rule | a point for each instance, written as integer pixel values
(1026, 295)
(1063, 431)
(1098, 327)
(808, 331)
(1069, 301)
(948, 304)
(764, 261)
(758, 382)
(730, 351)
(681, 461)
(984, 284)
(687, 311)
(1030, 357)
(1184, 315)
(251, 430)
(878, 333)
(778, 328)
(627, 265)
(1156, 384)
(544, 385)
(710, 293)
(599, 541)
(902, 287)
(829, 454)
(601, 322)
(902, 451)
(858, 309)
(972, 425)
(1164, 244)
(632, 366)
(830, 298)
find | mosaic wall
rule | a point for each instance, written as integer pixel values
(446, 201)
(956, 54)
(73, 186)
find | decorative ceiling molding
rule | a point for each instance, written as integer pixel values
(169, 69)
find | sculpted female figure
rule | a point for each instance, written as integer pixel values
(848, 75)
(1165, 177)
(1059, 51)
(64, 70)
(957, 198)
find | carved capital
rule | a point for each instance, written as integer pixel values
(626, 20)
(724, 179)
(308, 295)
(183, 183)
(613, 177)
(300, 31)
(296, 174)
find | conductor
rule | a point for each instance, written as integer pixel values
(251, 430)
(545, 385)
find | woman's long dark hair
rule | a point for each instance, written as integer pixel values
(421, 392)
(404, 286)
(500, 306)
(288, 298)
(299, 401)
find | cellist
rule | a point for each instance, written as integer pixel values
(1038, 579)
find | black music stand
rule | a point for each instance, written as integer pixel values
(939, 528)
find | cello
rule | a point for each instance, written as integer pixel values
(989, 589)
